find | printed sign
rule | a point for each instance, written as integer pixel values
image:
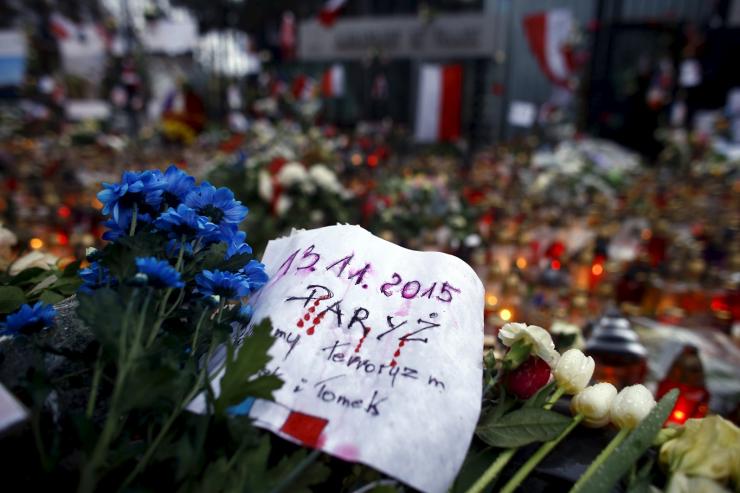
(396, 37)
(380, 349)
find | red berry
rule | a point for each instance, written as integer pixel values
(528, 378)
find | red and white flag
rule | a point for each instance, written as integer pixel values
(304, 88)
(287, 35)
(330, 11)
(61, 27)
(332, 83)
(548, 34)
(438, 103)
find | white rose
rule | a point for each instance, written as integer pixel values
(681, 483)
(33, 259)
(537, 337)
(573, 371)
(324, 178)
(7, 238)
(594, 403)
(292, 174)
(631, 406)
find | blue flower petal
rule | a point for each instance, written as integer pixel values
(159, 273)
(30, 319)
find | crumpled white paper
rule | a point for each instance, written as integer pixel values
(380, 349)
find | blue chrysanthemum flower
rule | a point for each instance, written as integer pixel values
(115, 230)
(95, 276)
(228, 285)
(177, 184)
(235, 241)
(143, 189)
(29, 319)
(217, 204)
(255, 274)
(159, 273)
(245, 313)
(186, 221)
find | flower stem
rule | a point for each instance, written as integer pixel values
(88, 476)
(95, 384)
(132, 229)
(616, 441)
(537, 457)
(193, 346)
(221, 305)
(559, 391)
(180, 254)
(162, 432)
(490, 474)
(36, 427)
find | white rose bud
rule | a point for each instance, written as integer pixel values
(537, 337)
(631, 406)
(594, 403)
(573, 371)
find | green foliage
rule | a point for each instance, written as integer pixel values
(236, 384)
(11, 298)
(479, 458)
(625, 455)
(640, 479)
(517, 354)
(37, 284)
(539, 399)
(525, 426)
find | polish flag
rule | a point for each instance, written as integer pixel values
(287, 35)
(548, 34)
(330, 11)
(303, 87)
(332, 83)
(438, 103)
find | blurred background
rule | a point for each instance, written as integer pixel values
(581, 155)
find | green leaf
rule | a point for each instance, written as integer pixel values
(72, 269)
(103, 311)
(119, 256)
(34, 275)
(625, 455)
(517, 354)
(522, 427)
(51, 297)
(250, 358)
(501, 406)
(641, 480)
(11, 298)
(67, 283)
(541, 397)
(262, 387)
(210, 258)
(162, 387)
(236, 262)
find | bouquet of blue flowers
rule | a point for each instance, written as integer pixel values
(108, 378)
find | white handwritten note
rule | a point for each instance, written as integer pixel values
(12, 412)
(380, 349)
